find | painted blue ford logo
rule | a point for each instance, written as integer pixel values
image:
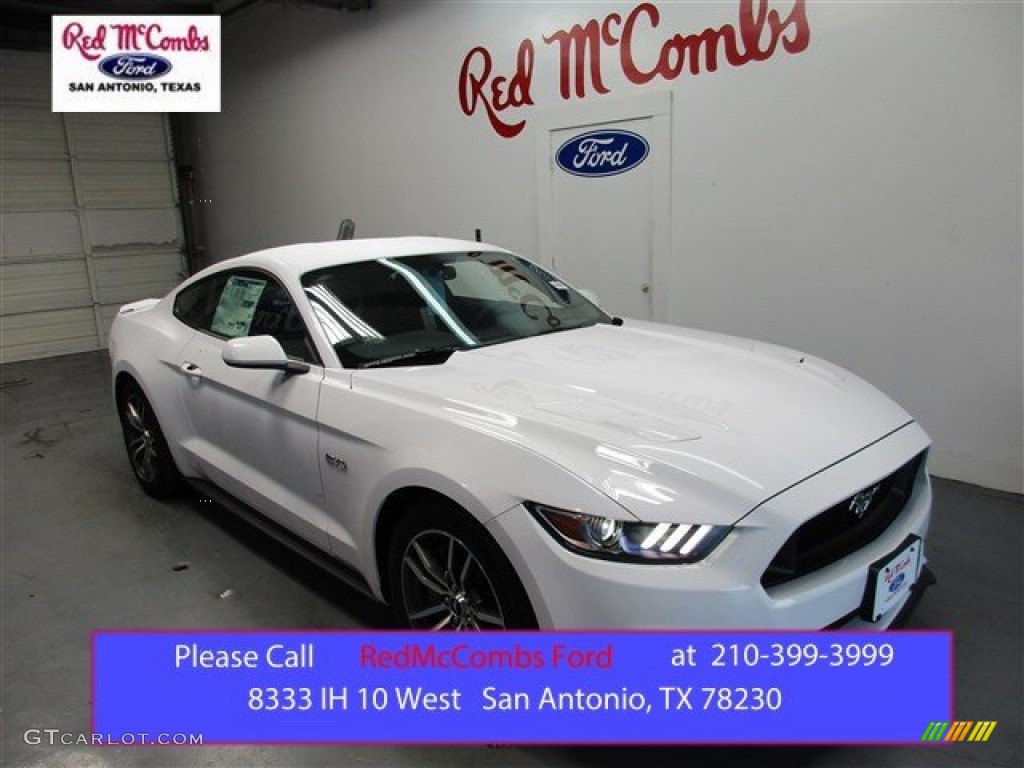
(135, 66)
(602, 153)
(897, 583)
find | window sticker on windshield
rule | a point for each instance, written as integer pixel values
(237, 306)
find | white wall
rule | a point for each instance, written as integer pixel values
(861, 199)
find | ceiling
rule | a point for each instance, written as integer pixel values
(25, 24)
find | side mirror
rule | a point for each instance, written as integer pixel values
(590, 296)
(263, 352)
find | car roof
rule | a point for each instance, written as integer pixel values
(302, 257)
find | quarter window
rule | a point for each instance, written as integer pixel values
(196, 304)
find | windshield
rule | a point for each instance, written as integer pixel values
(415, 309)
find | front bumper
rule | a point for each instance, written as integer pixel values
(723, 591)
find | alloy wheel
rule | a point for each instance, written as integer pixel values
(445, 587)
(142, 444)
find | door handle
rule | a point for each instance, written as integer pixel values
(191, 369)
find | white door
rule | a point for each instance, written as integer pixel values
(255, 432)
(89, 215)
(604, 198)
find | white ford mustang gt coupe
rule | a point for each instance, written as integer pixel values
(460, 433)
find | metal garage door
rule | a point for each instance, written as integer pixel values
(89, 215)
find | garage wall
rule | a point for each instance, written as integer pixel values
(89, 216)
(860, 199)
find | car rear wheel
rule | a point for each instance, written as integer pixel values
(144, 441)
(448, 574)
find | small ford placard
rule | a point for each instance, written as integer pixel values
(606, 152)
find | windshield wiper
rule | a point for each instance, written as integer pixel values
(429, 355)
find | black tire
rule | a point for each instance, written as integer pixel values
(144, 441)
(447, 573)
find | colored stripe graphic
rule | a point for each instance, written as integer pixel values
(982, 731)
(959, 730)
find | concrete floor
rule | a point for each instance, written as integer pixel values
(84, 548)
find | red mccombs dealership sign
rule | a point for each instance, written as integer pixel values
(136, 63)
(638, 44)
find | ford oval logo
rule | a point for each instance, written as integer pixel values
(135, 66)
(897, 583)
(602, 153)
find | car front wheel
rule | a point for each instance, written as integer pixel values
(448, 574)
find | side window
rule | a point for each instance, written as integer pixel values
(196, 304)
(275, 314)
(237, 307)
(230, 305)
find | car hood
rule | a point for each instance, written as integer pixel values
(674, 425)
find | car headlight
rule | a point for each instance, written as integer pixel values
(629, 541)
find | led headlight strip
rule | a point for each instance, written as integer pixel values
(628, 541)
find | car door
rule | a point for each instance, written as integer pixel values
(254, 431)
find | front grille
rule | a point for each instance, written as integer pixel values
(838, 530)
